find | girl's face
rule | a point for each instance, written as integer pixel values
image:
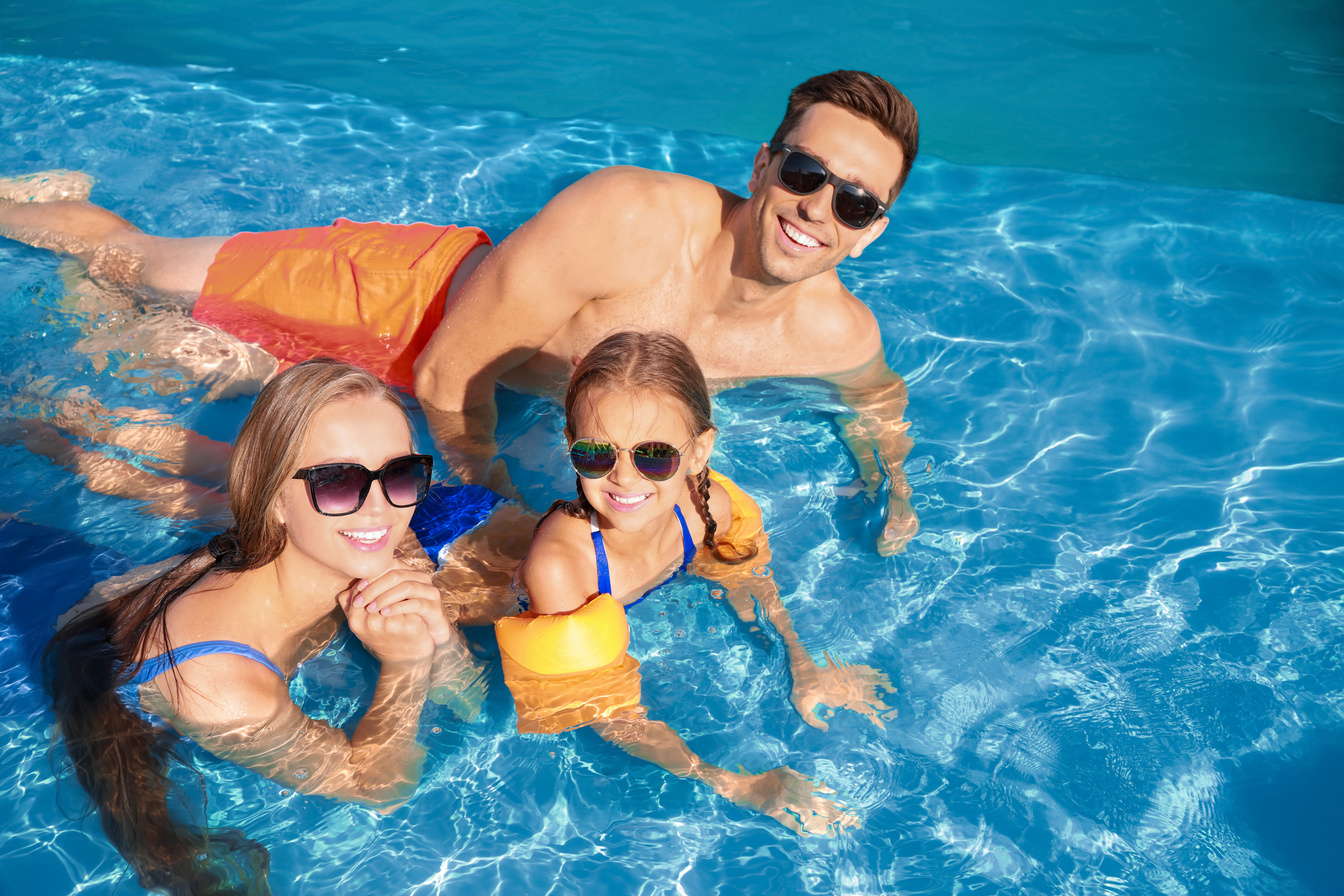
(362, 430)
(625, 499)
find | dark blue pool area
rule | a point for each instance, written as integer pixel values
(1242, 95)
(1117, 641)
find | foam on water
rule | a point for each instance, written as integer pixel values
(1123, 610)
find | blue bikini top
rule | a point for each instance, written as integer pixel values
(157, 665)
(688, 549)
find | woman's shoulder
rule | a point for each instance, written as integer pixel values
(217, 689)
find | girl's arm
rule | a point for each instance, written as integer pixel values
(792, 799)
(750, 585)
(559, 575)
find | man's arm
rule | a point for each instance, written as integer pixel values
(520, 297)
(877, 433)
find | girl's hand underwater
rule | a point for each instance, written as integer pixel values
(790, 798)
(840, 686)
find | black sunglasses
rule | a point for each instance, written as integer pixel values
(340, 489)
(596, 458)
(799, 173)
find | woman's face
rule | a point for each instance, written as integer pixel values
(362, 430)
(626, 500)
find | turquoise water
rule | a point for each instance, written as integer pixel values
(1239, 94)
(1117, 640)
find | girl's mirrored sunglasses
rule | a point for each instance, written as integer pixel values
(655, 461)
(799, 173)
(340, 489)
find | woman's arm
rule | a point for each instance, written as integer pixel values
(245, 715)
(240, 711)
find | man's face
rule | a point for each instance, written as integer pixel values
(798, 236)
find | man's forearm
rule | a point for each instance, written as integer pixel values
(877, 434)
(465, 439)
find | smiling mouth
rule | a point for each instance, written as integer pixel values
(365, 536)
(627, 502)
(802, 239)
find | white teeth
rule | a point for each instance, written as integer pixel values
(624, 499)
(364, 536)
(798, 236)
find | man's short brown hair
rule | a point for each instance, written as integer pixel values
(868, 97)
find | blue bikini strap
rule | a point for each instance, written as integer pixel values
(688, 549)
(688, 545)
(157, 665)
(603, 573)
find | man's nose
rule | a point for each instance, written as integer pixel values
(817, 206)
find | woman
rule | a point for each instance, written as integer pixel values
(323, 482)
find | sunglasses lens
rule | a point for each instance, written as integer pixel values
(336, 488)
(406, 481)
(592, 459)
(801, 173)
(656, 461)
(855, 207)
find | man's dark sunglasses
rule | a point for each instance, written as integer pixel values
(340, 489)
(799, 173)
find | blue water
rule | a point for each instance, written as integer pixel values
(1117, 640)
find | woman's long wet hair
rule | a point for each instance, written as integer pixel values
(657, 364)
(121, 759)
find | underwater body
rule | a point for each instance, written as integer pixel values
(1116, 641)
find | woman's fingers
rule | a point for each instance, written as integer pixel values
(402, 593)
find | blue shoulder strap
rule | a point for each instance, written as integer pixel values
(603, 573)
(157, 665)
(688, 545)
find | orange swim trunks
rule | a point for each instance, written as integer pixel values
(371, 294)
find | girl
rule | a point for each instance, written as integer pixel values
(637, 418)
(323, 481)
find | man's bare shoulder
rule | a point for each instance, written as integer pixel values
(634, 203)
(832, 330)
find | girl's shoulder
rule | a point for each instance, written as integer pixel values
(559, 572)
(720, 501)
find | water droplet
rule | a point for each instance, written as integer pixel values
(436, 730)
(717, 594)
(301, 773)
(713, 630)
(681, 633)
(762, 572)
(286, 793)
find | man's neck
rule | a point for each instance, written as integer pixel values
(735, 283)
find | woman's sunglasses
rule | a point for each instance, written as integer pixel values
(340, 489)
(595, 458)
(799, 173)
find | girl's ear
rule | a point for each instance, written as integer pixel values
(701, 448)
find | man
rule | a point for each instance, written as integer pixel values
(749, 284)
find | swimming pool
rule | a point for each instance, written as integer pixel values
(1116, 641)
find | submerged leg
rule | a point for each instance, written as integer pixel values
(50, 210)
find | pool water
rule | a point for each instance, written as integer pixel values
(1117, 639)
